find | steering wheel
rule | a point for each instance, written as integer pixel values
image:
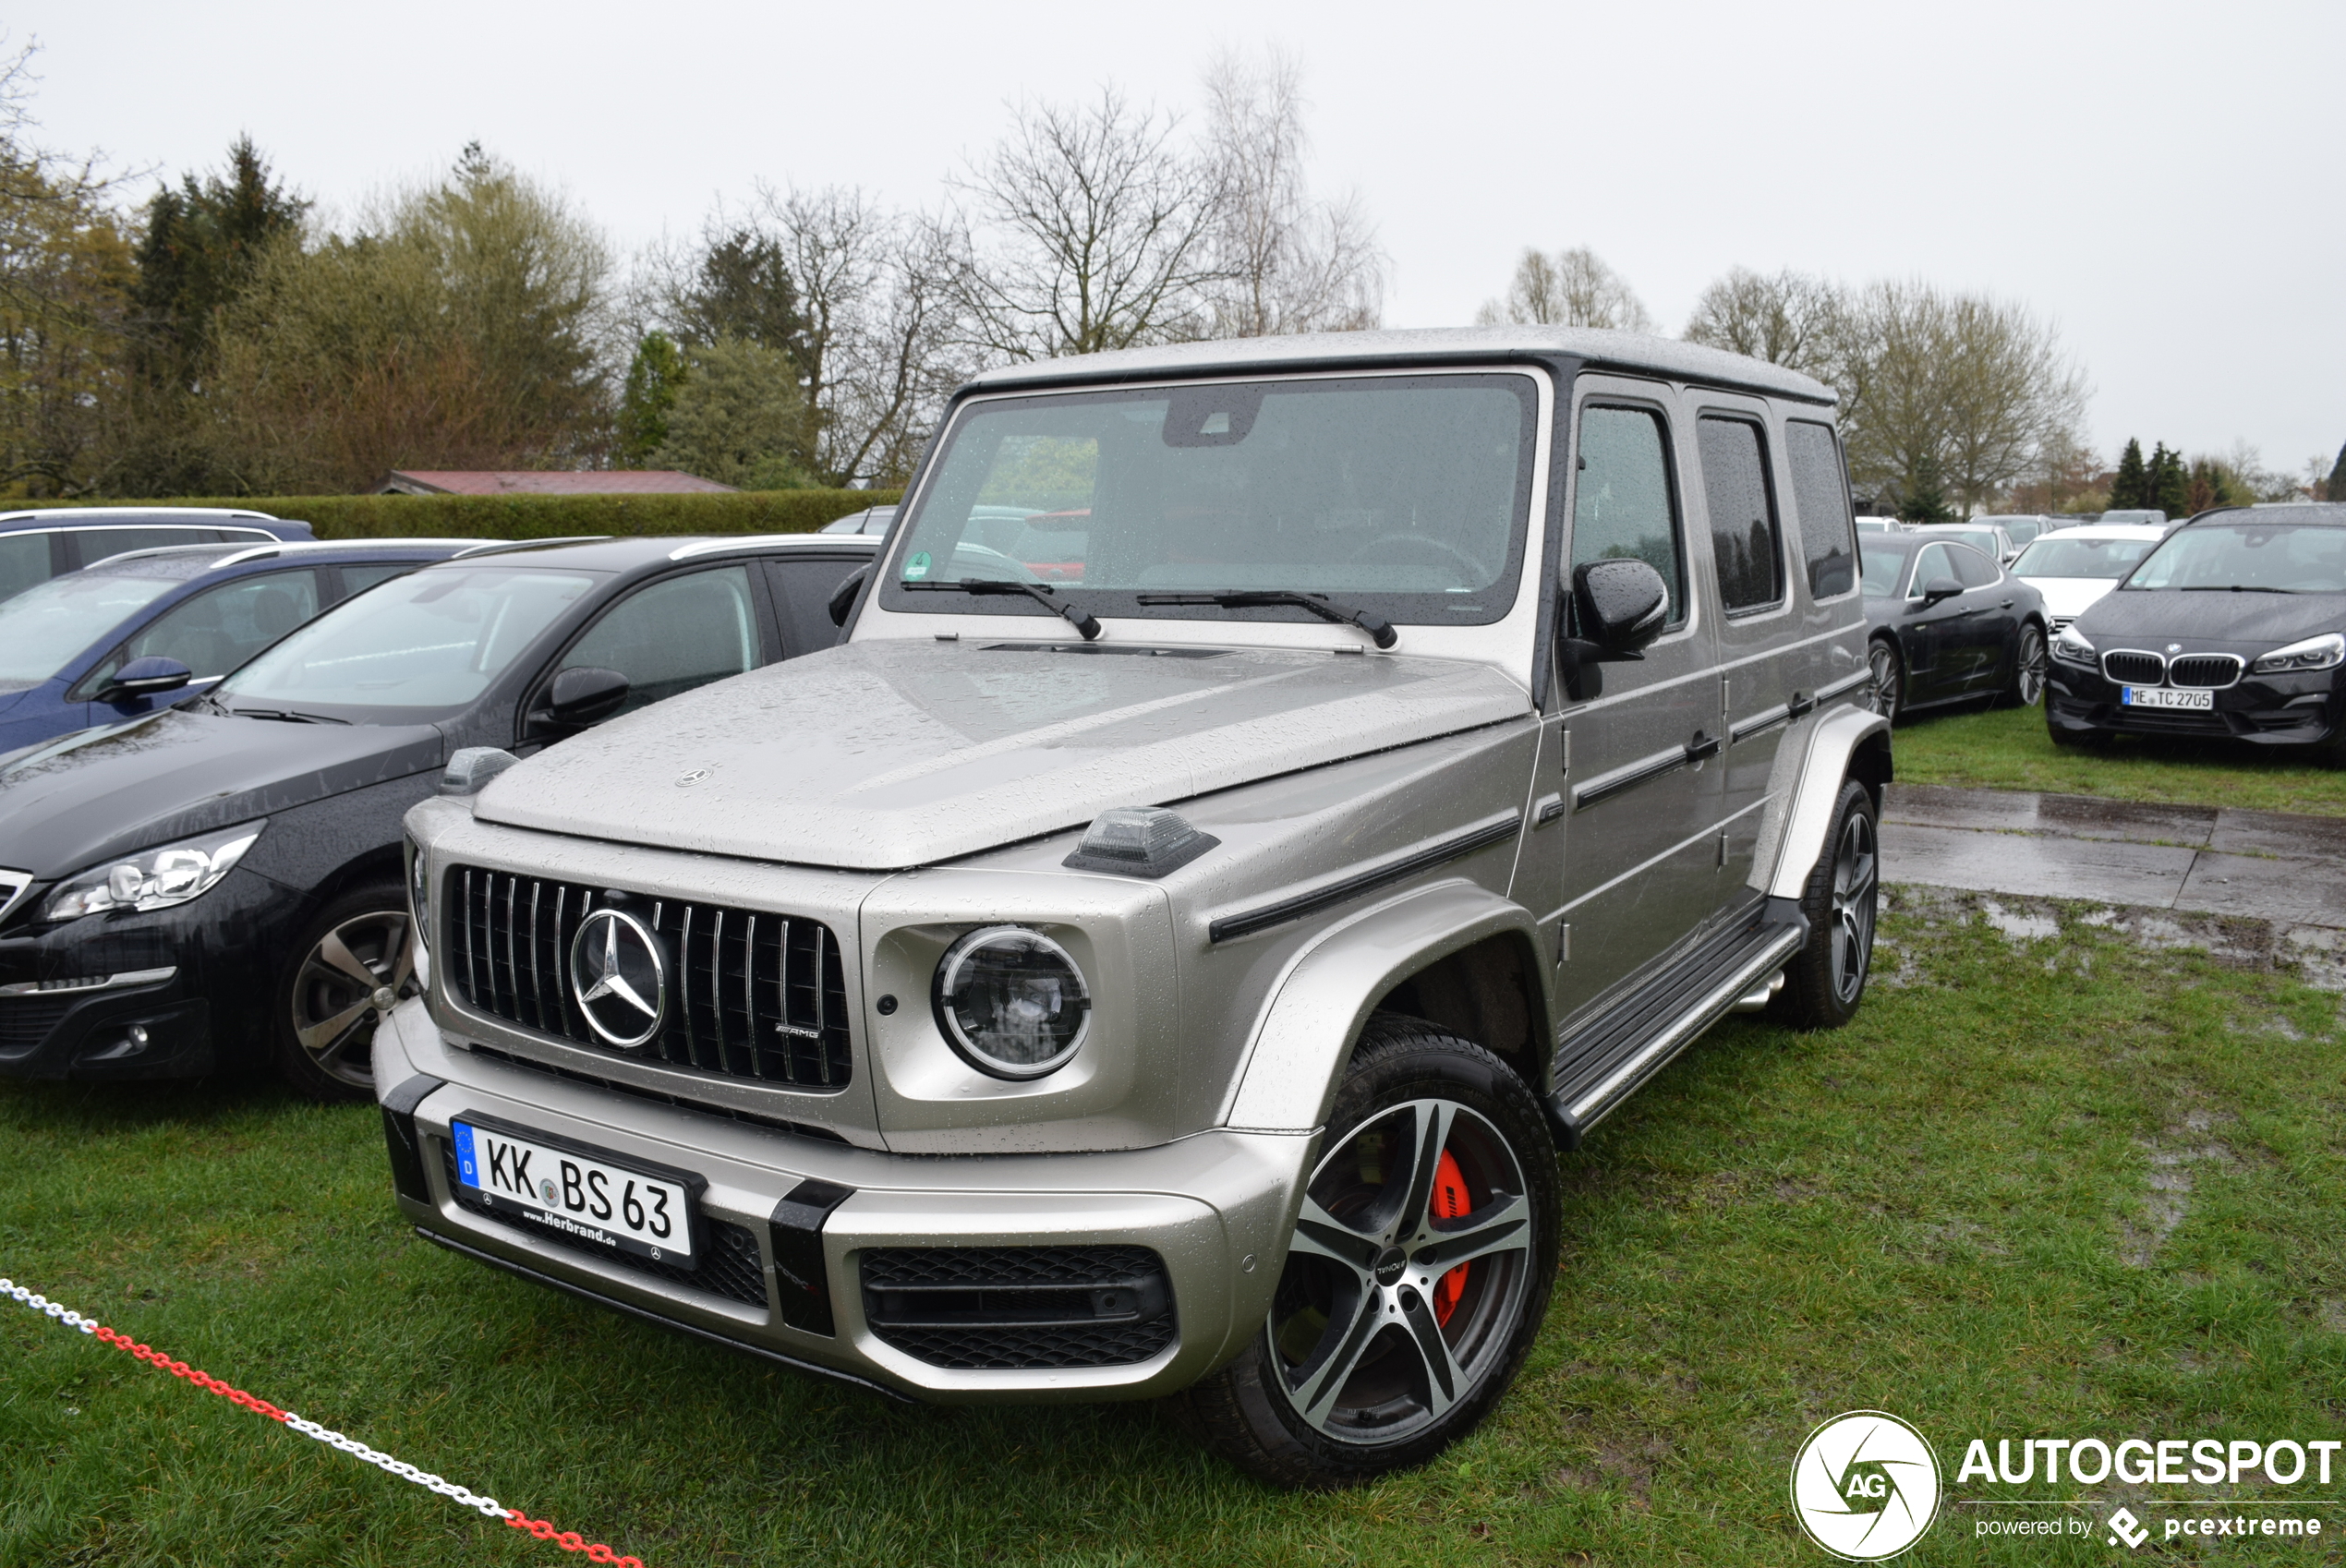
(1475, 571)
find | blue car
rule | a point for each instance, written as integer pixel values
(49, 541)
(144, 630)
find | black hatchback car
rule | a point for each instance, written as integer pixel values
(2234, 628)
(219, 885)
(1948, 624)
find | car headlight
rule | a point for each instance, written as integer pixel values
(2073, 646)
(420, 892)
(153, 879)
(2324, 652)
(1011, 1001)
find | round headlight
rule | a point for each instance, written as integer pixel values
(1011, 1001)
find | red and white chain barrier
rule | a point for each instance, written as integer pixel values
(488, 1507)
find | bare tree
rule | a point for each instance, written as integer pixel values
(1793, 320)
(1572, 288)
(1092, 231)
(1288, 263)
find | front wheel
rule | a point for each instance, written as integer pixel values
(356, 962)
(1826, 979)
(1416, 1277)
(2030, 668)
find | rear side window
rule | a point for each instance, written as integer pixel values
(97, 544)
(1821, 496)
(674, 636)
(24, 560)
(1745, 540)
(358, 579)
(1622, 509)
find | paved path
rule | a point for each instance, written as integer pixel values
(2266, 865)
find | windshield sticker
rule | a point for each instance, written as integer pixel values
(917, 567)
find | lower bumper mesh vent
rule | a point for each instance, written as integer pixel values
(1019, 1308)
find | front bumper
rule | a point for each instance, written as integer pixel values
(2280, 710)
(1215, 1207)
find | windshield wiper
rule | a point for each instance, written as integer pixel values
(1380, 630)
(285, 715)
(1041, 593)
(2232, 588)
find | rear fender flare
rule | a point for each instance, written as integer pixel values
(1304, 1034)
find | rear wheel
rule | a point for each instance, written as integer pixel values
(353, 964)
(2030, 668)
(1889, 689)
(1415, 1279)
(1826, 979)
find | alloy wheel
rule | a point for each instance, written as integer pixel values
(2028, 679)
(346, 986)
(1884, 664)
(1854, 872)
(1406, 1275)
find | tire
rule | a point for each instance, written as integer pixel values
(1826, 980)
(326, 1010)
(1424, 1123)
(2031, 666)
(1889, 692)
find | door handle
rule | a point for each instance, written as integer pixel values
(1702, 746)
(2007, 604)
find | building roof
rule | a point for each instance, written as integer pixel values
(547, 482)
(1601, 348)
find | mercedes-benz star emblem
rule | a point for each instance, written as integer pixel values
(620, 976)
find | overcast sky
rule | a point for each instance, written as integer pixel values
(2161, 181)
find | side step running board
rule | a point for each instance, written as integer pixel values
(1606, 1061)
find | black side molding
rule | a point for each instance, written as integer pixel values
(801, 1280)
(405, 1143)
(1247, 921)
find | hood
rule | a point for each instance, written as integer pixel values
(2069, 595)
(106, 792)
(887, 753)
(2221, 621)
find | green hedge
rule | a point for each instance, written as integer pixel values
(541, 517)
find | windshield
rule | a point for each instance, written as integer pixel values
(42, 628)
(2060, 557)
(1402, 495)
(2271, 557)
(1881, 568)
(416, 647)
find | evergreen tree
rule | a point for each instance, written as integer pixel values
(2336, 489)
(653, 378)
(199, 251)
(2170, 488)
(742, 289)
(2130, 491)
(1924, 498)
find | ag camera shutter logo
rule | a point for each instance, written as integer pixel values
(1865, 1485)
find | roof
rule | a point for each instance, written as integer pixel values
(1600, 347)
(2329, 513)
(211, 557)
(629, 554)
(548, 482)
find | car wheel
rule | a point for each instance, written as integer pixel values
(1826, 979)
(353, 964)
(1416, 1277)
(2030, 668)
(1889, 688)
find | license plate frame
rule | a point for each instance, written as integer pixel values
(2170, 699)
(581, 1226)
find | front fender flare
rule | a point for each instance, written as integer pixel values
(1304, 1034)
(1835, 743)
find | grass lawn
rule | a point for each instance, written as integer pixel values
(2070, 1186)
(2007, 749)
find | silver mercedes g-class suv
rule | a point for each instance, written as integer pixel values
(1267, 798)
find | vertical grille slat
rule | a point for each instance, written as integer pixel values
(510, 943)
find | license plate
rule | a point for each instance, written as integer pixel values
(2166, 696)
(578, 1196)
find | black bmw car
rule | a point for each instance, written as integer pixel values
(218, 885)
(2234, 628)
(1948, 624)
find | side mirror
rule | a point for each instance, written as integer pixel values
(583, 697)
(843, 597)
(1940, 588)
(145, 678)
(1622, 605)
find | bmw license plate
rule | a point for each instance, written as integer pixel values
(576, 1195)
(2168, 697)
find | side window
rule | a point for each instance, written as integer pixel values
(97, 544)
(804, 590)
(220, 628)
(24, 560)
(358, 579)
(1744, 541)
(1973, 569)
(674, 636)
(1820, 495)
(1933, 562)
(1622, 509)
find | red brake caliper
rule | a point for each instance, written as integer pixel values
(1449, 1202)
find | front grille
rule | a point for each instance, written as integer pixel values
(730, 1264)
(1019, 1308)
(2132, 668)
(706, 1107)
(751, 995)
(26, 1020)
(2216, 671)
